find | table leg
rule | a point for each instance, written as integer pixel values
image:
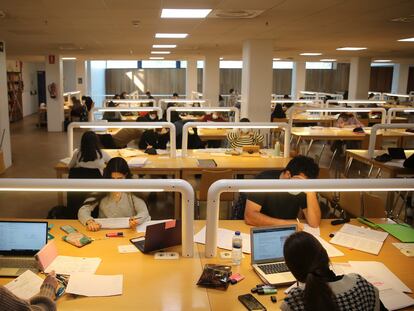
(59, 174)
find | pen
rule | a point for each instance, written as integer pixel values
(297, 219)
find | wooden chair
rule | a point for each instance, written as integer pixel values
(351, 203)
(208, 177)
(373, 206)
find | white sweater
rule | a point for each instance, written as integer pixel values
(98, 163)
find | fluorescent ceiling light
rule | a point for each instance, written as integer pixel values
(171, 35)
(310, 54)
(221, 58)
(382, 60)
(164, 46)
(68, 58)
(156, 58)
(350, 48)
(276, 58)
(407, 40)
(160, 52)
(185, 13)
(328, 60)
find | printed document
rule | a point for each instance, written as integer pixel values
(26, 285)
(87, 284)
(70, 265)
(224, 239)
(113, 223)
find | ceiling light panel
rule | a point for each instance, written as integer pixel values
(328, 60)
(156, 58)
(310, 54)
(164, 46)
(160, 52)
(171, 35)
(185, 13)
(407, 40)
(351, 48)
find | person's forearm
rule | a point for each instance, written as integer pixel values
(313, 211)
(259, 219)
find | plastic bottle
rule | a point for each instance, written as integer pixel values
(236, 253)
(277, 149)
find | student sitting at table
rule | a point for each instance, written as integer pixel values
(151, 116)
(89, 155)
(279, 208)
(213, 117)
(278, 113)
(244, 137)
(319, 287)
(112, 116)
(114, 204)
(346, 120)
(154, 138)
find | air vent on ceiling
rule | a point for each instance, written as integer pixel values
(69, 47)
(407, 19)
(235, 13)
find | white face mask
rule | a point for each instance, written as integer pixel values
(294, 193)
(214, 116)
(153, 116)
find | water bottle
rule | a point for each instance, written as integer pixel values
(277, 149)
(236, 253)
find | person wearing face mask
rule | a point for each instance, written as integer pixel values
(114, 204)
(244, 137)
(280, 208)
(213, 117)
(151, 116)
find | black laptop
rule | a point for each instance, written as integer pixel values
(159, 236)
(397, 153)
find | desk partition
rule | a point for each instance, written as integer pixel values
(288, 185)
(289, 101)
(122, 185)
(202, 109)
(391, 112)
(120, 125)
(376, 127)
(237, 125)
(187, 102)
(118, 109)
(130, 102)
(352, 103)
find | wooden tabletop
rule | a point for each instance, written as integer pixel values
(151, 284)
(327, 133)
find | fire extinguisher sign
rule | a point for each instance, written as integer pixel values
(51, 59)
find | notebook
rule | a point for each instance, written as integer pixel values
(267, 253)
(19, 242)
(159, 236)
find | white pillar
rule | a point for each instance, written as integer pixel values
(359, 76)
(298, 79)
(400, 78)
(81, 79)
(4, 108)
(257, 80)
(211, 78)
(54, 74)
(191, 77)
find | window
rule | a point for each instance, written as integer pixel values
(159, 64)
(282, 65)
(231, 64)
(114, 64)
(318, 65)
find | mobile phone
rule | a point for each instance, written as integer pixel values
(68, 229)
(251, 303)
(339, 221)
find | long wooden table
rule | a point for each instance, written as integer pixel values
(151, 284)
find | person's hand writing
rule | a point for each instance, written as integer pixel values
(133, 223)
(92, 225)
(51, 280)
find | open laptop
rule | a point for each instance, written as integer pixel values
(267, 253)
(159, 236)
(397, 153)
(19, 242)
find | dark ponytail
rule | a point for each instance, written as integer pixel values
(309, 263)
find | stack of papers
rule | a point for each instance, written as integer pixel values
(137, 161)
(224, 239)
(365, 240)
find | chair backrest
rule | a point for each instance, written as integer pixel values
(350, 202)
(84, 173)
(210, 176)
(374, 206)
(280, 120)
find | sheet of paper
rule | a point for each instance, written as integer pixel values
(330, 249)
(406, 248)
(224, 239)
(124, 249)
(377, 270)
(311, 230)
(65, 160)
(87, 284)
(137, 161)
(130, 152)
(143, 227)
(366, 233)
(394, 300)
(113, 223)
(354, 242)
(26, 285)
(70, 265)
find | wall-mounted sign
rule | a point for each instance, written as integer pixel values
(80, 81)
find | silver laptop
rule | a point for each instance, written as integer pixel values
(267, 253)
(19, 242)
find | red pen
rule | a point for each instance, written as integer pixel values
(115, 234)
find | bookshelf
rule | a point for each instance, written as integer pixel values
(15, 91)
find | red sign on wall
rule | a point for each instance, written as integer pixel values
(51, 59)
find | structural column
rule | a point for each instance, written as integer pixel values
(400, 78)
(54, 93)
(257, 80)
(191, 77)
(359, 77)
(211, 78)
(298, 79)
(81, 79)
(4, 109)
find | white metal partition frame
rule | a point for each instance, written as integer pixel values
(130, 102)
(396, 95)
(202, 109)
(324, 110)
(376, 127)
(391, 112)
(136, 125)
(237, 125)
(352, 103)
(122, 185)
(164, 101)
(78, 93)
(320, 95)
(288, 185)
(118, 109)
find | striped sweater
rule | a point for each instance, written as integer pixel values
(41, 302)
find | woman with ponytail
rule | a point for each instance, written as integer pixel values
(319, 287)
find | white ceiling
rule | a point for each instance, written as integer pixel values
(103, 28)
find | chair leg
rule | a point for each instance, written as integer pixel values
(197, 210)
(309, 147)
(332, 158)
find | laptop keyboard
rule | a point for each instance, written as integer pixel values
(274, 268)
(18, 262)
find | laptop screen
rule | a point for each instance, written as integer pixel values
(22, 237)
(267, 243)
